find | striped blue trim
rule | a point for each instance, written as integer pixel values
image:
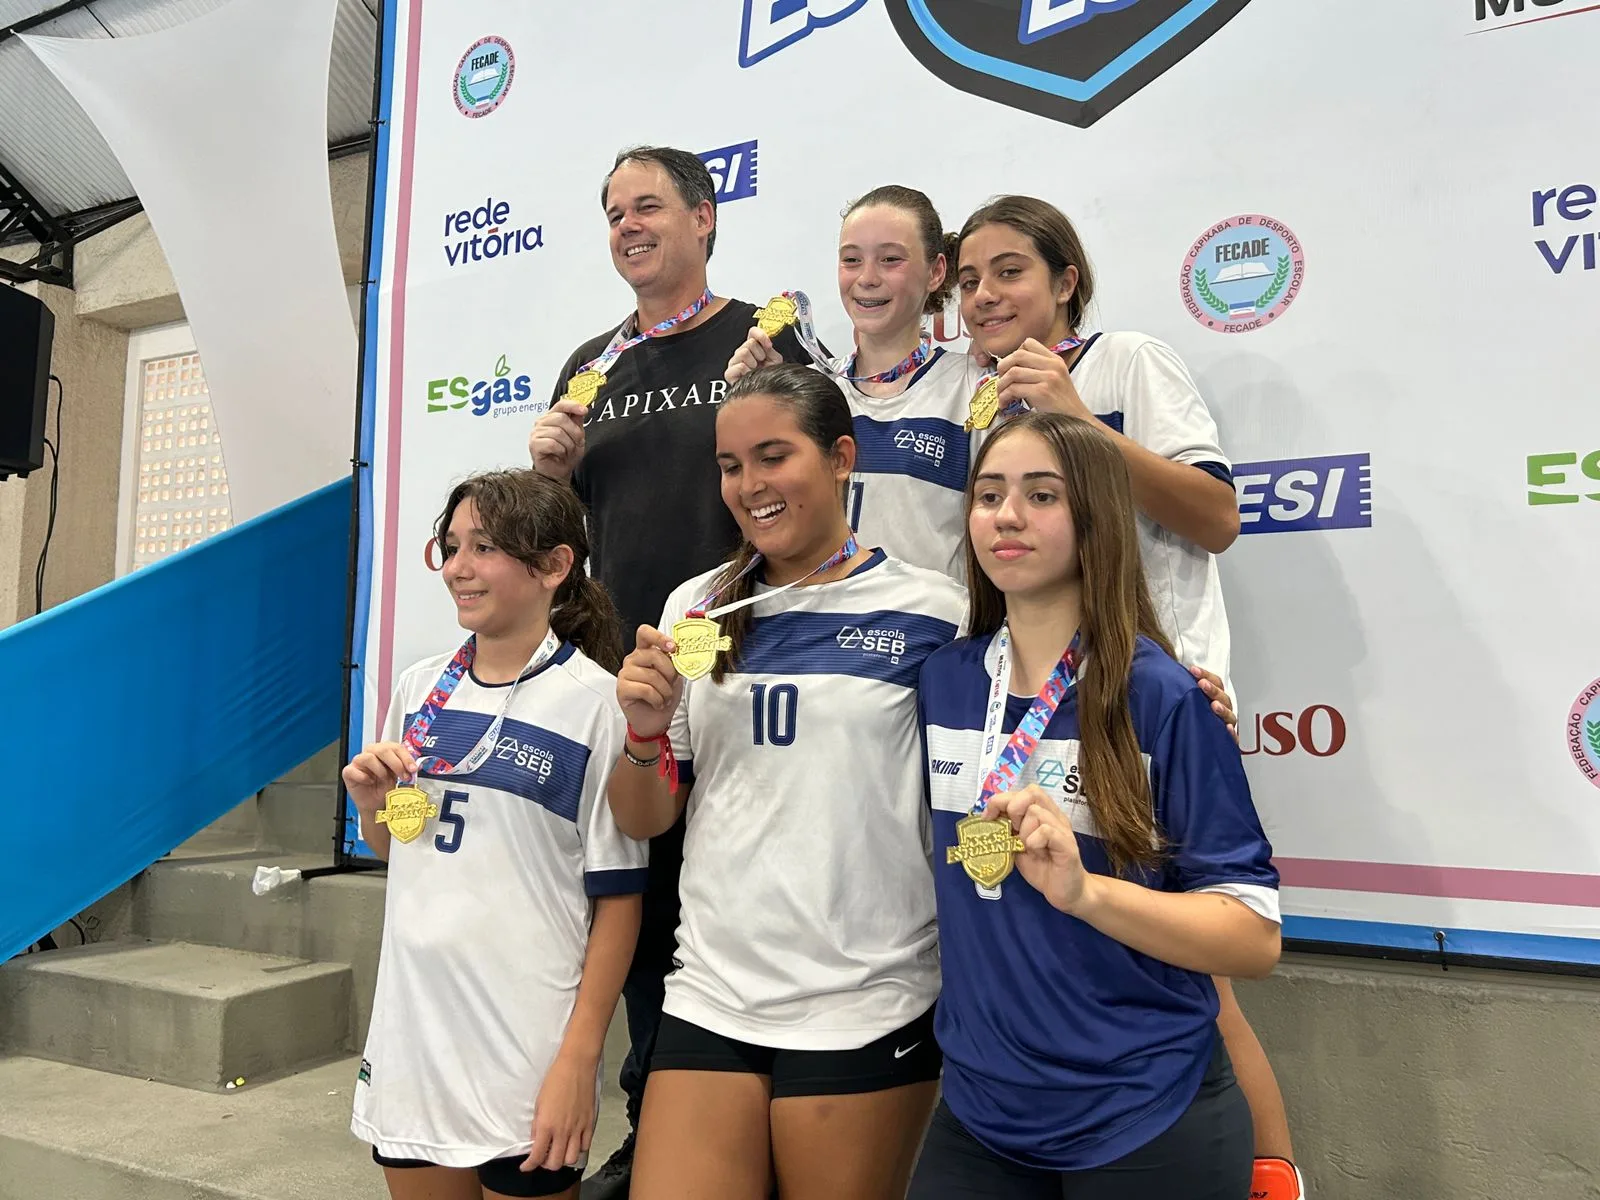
(629, 881)
(885, 645)
(927, 448)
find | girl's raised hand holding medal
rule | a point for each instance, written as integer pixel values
(757, 351)
(376, 771)
(648, 685)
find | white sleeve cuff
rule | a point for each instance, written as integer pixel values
(1260, 900)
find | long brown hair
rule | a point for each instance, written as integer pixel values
(528, 515)
(1053, 236)
(1116, 609)
(823, 415)
(935, 241)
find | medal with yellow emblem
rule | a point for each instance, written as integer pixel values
(584, 387)
(699, 641)
(984, 405)
(406, 811)
(779, 313)
(985, 849)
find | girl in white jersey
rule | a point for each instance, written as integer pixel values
(1025, 284)
(895, 268)
(513, 901)
(797, 1034)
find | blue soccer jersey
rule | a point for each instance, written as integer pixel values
(1065, 1049)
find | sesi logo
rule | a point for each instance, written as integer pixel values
(1320, 731)
(1046, 18)
(733, 171)
(1292, 495)
(771, 25)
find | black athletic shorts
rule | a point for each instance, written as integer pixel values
(503, 1175)
(908, 1055)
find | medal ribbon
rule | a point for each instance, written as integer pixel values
(459, 664)
(1012, 409)
(805, 332)
(621, 342)
(1006, 773)
(843, 554)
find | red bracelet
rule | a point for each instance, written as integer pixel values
(668, 767)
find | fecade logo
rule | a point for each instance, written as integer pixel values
(1069, 60)
(1583, 732)
(504, 393)
(733, 171)
(482, 233)
(770, 25)
(1242, 274)
(483, 76)
(1292, 495)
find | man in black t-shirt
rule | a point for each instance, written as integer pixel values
(642, 457)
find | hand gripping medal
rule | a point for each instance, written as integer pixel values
(406, 811)
(583, 387)
(985, 849)
(985, 403)
(778, 315)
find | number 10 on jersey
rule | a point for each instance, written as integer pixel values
(773, 711)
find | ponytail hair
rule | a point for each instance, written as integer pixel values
(930, 230)
(823, 415)
(527, 516)
(1116, 612)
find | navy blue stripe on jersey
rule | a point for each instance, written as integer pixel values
(629, 881)
(527, 761)
(1112, 419)
(1216, 470)
(927, 448)
(885, 645)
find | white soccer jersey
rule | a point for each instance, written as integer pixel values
(486, 921)
(808, 913)
(1140, 387)
(908, 491)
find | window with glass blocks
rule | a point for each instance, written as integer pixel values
(183, 484)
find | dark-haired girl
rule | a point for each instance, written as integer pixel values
(1078, 1018)
(798, 1030)
(909, 398)
(512, 904)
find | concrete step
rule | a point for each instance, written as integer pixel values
(299, 817)
(192, 1015)
(206, 899)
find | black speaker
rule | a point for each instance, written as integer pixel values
(26, 330)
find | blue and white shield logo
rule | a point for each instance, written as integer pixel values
(1069, 60)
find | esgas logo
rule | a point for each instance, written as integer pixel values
(485, 233)
(1583, 732)
(1292, 495)
(1548, 472)
(733, 170)
(1242, 274)
(499, 395)
(483, 77)
(771, 25)
(1556, 210)
(1319, 730)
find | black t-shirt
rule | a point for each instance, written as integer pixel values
(649, 470)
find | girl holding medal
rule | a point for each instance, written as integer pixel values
(513, 900)
(908, 398)
(777, 703)
(1025, 285)
(1078, 1016)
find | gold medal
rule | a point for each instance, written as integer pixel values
(984, 405)
(407, 811)
(985, 849)
(777, 316)
(699, 642)
(583, 387)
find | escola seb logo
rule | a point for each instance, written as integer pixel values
(505, 393)
(1069, 60)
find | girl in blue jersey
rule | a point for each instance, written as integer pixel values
(1026, 284)
(896, 267)
(513, 901)
(1078, 1016)
(797, 1040)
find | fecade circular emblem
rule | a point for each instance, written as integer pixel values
(1583, 732)
(483, 76)
(1242, 274)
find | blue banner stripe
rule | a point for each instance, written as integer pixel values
(885, 645)
(528, 761)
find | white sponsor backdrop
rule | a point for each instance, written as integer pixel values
(1405, 680)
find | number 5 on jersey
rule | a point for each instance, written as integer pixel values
(773, 712)
(450, 841)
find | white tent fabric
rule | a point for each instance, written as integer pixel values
(221, 126)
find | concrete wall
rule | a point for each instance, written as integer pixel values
(121, 283)
(1412, 1083)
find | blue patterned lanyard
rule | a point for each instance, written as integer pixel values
(1006, 773)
